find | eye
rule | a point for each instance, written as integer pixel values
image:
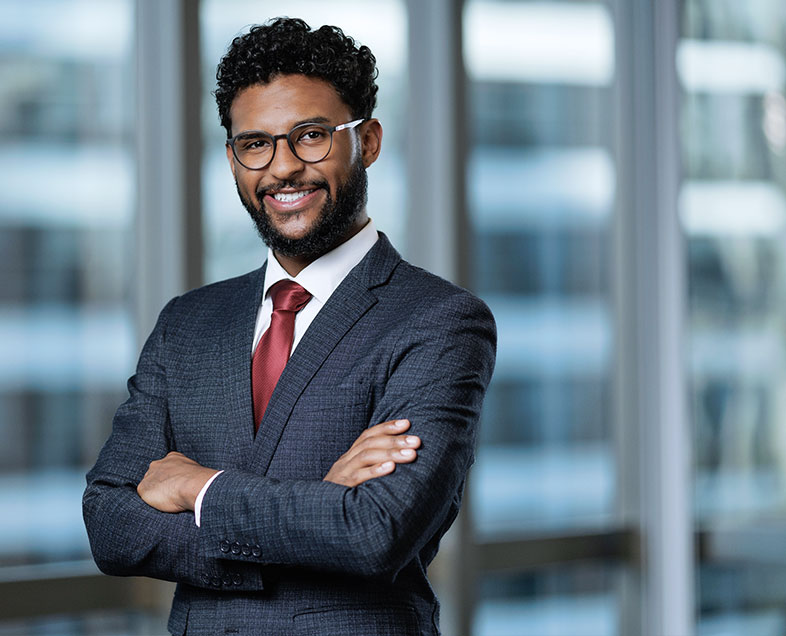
(312, 135)
(252, 143)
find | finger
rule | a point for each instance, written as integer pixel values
(384, 442)
(408, 441)
(364, 461)
(384, 468)
(378, 470)
(378, 456)
(391, 427)
(395, 426)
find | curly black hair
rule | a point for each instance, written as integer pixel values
(285, 46)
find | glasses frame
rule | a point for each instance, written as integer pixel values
(288, 136)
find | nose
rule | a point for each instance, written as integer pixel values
(285, 163)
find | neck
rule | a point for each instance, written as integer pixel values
(293, 265)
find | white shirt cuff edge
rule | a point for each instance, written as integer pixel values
(200, 497)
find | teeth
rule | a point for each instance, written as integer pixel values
(289, 197)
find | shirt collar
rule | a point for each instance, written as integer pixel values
(321, 277)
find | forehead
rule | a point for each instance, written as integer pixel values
(285, 101)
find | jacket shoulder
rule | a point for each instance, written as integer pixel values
(219, 295)
(421, 287)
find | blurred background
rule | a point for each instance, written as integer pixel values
(608, 175)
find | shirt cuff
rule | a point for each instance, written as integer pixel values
(200, 497)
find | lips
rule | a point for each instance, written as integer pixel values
(291, 200)
(290, 197)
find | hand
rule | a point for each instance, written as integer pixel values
(172, 484)
(375, 453)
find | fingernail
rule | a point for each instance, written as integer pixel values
(407, 452)
(401, 423)
(385, 466)
(411, 439)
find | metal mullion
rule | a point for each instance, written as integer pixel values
(627, 439)
(437, 221)
(169, 149)
(437, 225)
(655, 454)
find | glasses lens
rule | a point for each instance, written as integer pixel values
(311, 141)
(254, 149)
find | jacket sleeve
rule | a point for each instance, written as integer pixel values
(437, 378)
(128, 537)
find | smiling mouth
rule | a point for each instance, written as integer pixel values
(291, 200)
(290, 197)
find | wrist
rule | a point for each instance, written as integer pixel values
(193, 485)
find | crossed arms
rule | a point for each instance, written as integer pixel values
(172, 484)
(138, 500)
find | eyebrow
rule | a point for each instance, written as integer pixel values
(313, 120)
(309, 120)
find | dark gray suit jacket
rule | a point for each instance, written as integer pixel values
(280, 551)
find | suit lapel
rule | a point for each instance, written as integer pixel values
(237, 362)
(351, 300)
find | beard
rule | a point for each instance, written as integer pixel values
(332, 225)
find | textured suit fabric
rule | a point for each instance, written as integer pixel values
(279, 550)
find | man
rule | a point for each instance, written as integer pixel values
(308, 500)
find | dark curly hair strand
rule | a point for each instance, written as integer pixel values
(285, 46)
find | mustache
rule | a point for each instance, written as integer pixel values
(296, 185)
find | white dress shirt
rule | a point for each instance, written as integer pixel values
(320, 279)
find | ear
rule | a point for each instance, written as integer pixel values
(231, 159)
(370, 141)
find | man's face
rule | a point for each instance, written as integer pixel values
(302, 210)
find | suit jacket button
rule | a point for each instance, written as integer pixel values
(215, 581)
(224, 546)
(205, 579)
(235, 548)
(227, 580)
(246, 549)
(256, 551)
(237, 579)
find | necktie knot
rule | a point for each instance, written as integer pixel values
(287, 295)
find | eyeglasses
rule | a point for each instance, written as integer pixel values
(255, 149)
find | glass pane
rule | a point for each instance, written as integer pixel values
(541, 193)
(563, 601)
(66, 200)
(232, 245)
(731, 62)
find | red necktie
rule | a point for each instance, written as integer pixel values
(275, 345)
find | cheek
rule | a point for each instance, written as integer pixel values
(338, 177)
(247, 184)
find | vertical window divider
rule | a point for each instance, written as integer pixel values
(168, 253)
(653, 427)
(437, 224)
(437, 143)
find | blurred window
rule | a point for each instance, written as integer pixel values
(565, 599)
(67, 341)
(541, 178)
(732, 66)
(66, 200)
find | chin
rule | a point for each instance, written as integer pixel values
(321, 229)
